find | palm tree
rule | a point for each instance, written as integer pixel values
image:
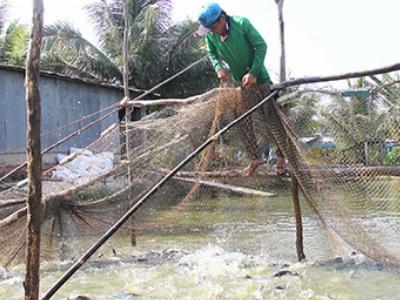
(14, 41)
(358, 124)
(66, 51)
(303, 113)
(387, 90)
(157, 47)
(13, 45)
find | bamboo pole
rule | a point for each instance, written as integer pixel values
(325, 172)
(11, 202)
(144, 103)
(34, 157)
(196, 98)
(128, 113)
(238, 190)
(344, 76)
(81, 261)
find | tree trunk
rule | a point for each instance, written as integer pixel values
(34, 157)
(128, 112)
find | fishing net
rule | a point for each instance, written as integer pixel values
(341, 150)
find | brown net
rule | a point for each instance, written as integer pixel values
(341, 150)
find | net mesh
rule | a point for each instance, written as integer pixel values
(347, 176)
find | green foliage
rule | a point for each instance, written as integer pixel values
(303, 115)
(303, 112)
(96, 192)
(14, 44)
(319, 156)
(393, 157)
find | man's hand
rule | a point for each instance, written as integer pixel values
(224, 75)
(249, 80)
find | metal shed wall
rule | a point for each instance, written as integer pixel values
(63, 101)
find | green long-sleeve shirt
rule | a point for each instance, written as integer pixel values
(244, 50)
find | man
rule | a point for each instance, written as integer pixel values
(234, 40)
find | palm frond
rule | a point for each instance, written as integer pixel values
(148, 43)
(62, 40)
(57, 64)
(183, 41)
(108, 23)
(15, 44)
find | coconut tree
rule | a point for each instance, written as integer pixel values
(181, 48)
(66, 51)
(13, 40)
(14, 43)
(387, 89)
(157, 46)
(358, 122)
(303, 114)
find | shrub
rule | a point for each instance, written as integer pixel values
(393, 157)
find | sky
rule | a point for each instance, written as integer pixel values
(323, 37)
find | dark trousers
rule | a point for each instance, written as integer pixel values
(249, 98)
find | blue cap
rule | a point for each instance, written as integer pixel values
(210, 13)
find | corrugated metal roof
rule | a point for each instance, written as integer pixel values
(74, 79)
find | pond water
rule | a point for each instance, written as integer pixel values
(230, 248)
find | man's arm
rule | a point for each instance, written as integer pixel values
(260, 47)
(222, 73)
(213, 55)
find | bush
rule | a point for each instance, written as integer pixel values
(393, 157)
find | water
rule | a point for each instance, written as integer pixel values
(229, 248)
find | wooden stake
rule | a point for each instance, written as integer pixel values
(295, 184)
(34, 157)
(299, 221)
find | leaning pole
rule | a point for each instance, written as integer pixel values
(34, 157)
